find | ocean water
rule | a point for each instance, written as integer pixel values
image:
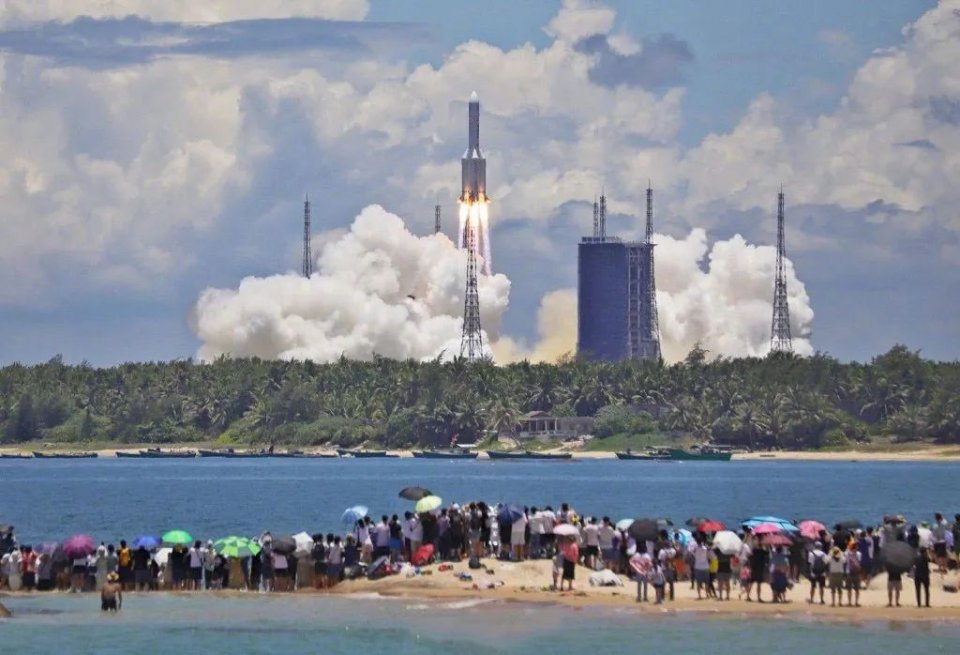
(162, 624)
(115, 498)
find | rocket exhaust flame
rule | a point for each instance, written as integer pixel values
(477, 215)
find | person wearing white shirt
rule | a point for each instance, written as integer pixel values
(817, 567)
(416, 534)
(381, 538)
(518, 537)
(605, 538)
(536, 533)
(195, 561)
(591, 537)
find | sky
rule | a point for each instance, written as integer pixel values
(156, 149)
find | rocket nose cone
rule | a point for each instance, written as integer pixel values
(474, 97)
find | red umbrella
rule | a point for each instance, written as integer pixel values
(767, 528)
(711, 526)
(79, 545)
(775, 540)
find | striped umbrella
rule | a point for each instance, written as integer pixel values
(236, 547)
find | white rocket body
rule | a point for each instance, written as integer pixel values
(473, 165)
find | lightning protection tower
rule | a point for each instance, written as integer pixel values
(307, 257)
(650, 345)
(436, 219)
(471, 341)
(780, 338)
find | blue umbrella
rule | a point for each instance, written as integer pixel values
(683, 536)
(784, 524)
(509, 514)
(354, 514)
(147, 541)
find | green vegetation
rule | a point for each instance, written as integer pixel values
(774, 402)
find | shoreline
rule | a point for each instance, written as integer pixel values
(933, 454)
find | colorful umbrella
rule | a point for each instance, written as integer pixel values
(711, 526)
(354, 514)
(624, 524)
(682, 536)
(767, 528)
(727, 542)
(236, 547)
(428, 504)
(146, 541)
(777, 539)
(811, 529)
(79, 545)
(177, 537)
(566, 530)
(784, 524)
(694, 521)
(415, 493)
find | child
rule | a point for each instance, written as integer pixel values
(746, 579)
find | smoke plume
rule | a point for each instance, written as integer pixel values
(378, 289)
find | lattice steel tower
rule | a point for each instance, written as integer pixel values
(307, 257)
(471, 341)
(436, 219)
(650, 348)
(780, 338)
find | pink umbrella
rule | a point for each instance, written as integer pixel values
(775, 540)
(79, 545)
(811, 529)
(767, 528)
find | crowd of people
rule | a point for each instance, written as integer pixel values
(653, 553)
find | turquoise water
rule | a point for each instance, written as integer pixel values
(163, 624)
(114, 498)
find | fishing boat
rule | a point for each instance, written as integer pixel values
(526, 454)
(232, 454)
(82, 455)
(317, 455)
(15, 456)
(445, 454)
(343, 452)
(702, 454)
(156, 453)
(658, 455)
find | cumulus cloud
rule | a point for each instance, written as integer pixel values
(189, 11)
(658, 62)
(378, 289)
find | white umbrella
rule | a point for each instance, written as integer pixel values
(162, 556)
(304, 543)
(566, 530)
(727, 542)
(624, 524)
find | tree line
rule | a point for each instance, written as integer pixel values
(779, 401)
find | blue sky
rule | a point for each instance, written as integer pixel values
(151, 158)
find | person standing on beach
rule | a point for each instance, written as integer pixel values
(921, 575)
(759, 562)
(939, 531)
(592, 540)
(571, 555)
(642, 565)
(381, 538)
(702, 557)
(853, 574)
(111, 595)
(334, 561)
(836, 567)
(724, 573)
(141, 569)
(605, 537)
(817, 567)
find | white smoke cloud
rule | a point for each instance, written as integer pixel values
(379, 290)
(718, 296)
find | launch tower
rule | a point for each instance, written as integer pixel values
(780, 337)
(307, 257)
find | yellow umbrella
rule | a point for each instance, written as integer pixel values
(428, 504)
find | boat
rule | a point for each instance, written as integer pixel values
(156, 453)
(317, 455)
(82, 455)
(127, 455)
(658, 455)
(343, 452)
(15, 456)
(702, 454)
(445, 454)
(231, 453)
(526, 454)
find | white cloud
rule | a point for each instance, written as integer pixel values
(578, 19)
(13, 12)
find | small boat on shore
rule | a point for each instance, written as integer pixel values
(343, 452)
(15, 456)
(701, 454)
(659, 455)
(231, 453)
(444, 454)
(526, 454)
(316, 455)
(81, 455)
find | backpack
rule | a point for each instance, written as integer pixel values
(819, 567)
(474, 562)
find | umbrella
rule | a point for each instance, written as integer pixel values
(428, 504)
(354, 514)
(694, 521)
(284, 545)
(682, 536)
(711, 526)
(783, 524)
(415, 493)
(895, 518)
(624, 524)
(146, 541)
(79, 545)
(775, 539)
(175, 537)
(46, 548)
(162, 556)
(727, 542)
(566, 530)
(235, 547)
(644, 530)
(304, 543)
(811, 529)
(664, 523)
(767, 528)
(510, 514)
(850, 524)
(898, 557)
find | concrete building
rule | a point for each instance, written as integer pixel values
(543, 426)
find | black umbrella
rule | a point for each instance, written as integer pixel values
(898, 557)
(894, 518)
(415, 493)
(284, 545)
(644, 530)
(695, 521)
(850, 524)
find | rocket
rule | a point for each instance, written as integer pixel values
(473, 165)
